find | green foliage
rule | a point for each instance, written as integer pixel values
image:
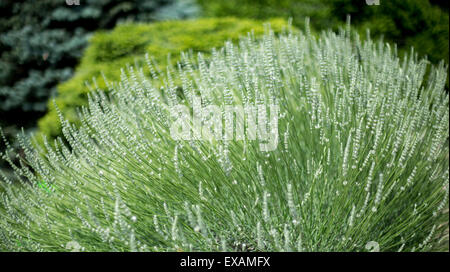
(128, 43)
(407, 23)
(41, 42)
(318, 11)
(361, 157)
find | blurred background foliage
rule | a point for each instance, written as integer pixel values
(422, 24)
(42, 43)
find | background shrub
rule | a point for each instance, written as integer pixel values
(409, 23)
(319, 11)
(41, 42)
(422, 24)
(128, 43)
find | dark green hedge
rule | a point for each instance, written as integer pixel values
(319, 11)
(408, 23)
(422, 24)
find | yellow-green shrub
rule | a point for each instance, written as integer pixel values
(128, 43)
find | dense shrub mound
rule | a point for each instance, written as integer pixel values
(361, 160)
